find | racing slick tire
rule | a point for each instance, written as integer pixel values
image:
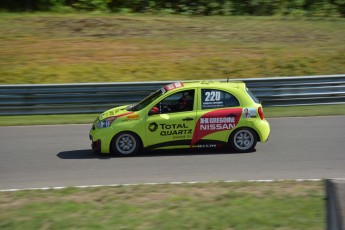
(125, 144)
(243, 140)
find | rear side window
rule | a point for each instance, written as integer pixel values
(212, 99)
(251, 94)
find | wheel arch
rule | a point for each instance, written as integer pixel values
(126, 131)
(245, 127)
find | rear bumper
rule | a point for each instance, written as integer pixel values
(263, 129)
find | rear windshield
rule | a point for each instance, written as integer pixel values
(250, 93)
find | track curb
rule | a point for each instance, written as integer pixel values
(163, 183)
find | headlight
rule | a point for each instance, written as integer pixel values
(106, 122)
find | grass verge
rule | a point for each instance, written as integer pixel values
(270, 112)
(217, 205)
(305, 111)
(68, 48)
(47, 119)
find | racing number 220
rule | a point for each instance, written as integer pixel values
(212, 96)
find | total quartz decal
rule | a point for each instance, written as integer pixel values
(215, 121)
(174, 129)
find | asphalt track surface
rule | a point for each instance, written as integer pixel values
(53, 156)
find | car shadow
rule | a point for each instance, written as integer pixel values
(81, 154)
(89, 154)
(183, 152)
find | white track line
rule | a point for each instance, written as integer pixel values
(168, 183)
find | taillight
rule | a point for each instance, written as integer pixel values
(261, 113)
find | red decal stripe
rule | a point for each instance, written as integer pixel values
(216, 121)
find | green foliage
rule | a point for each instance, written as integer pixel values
(323, 8)
(242, 205)
(122, 48)
(91, 5)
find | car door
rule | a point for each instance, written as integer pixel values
(219, 113)
(173, 122)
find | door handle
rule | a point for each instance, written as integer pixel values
(187, 119)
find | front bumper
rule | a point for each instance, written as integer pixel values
(95, 145)
(100, 139)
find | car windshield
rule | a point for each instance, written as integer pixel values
(146, 101)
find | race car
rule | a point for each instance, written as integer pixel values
(202, 114)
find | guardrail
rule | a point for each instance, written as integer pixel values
(335, 204)
(96, 97)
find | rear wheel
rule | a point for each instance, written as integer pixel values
(243, 140)
(125, 144)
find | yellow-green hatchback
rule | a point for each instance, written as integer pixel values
(200, 114)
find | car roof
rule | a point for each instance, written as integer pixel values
(216, 84)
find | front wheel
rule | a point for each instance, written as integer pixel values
(125, 144)
(243, 140)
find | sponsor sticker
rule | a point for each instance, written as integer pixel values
(175, 131)
(212, 99)
(153, 126)
(249, 113)
(216, 121)
(173, 86)
(134, 116)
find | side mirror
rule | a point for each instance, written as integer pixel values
(154, 110)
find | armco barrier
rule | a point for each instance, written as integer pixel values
(335, 201)
(97, 97)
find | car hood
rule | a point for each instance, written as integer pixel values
(117, 111)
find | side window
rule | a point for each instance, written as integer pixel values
(251, 94)
(177, 102)
(212, 99)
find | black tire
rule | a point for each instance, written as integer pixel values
(243, 140)
(125, 144)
